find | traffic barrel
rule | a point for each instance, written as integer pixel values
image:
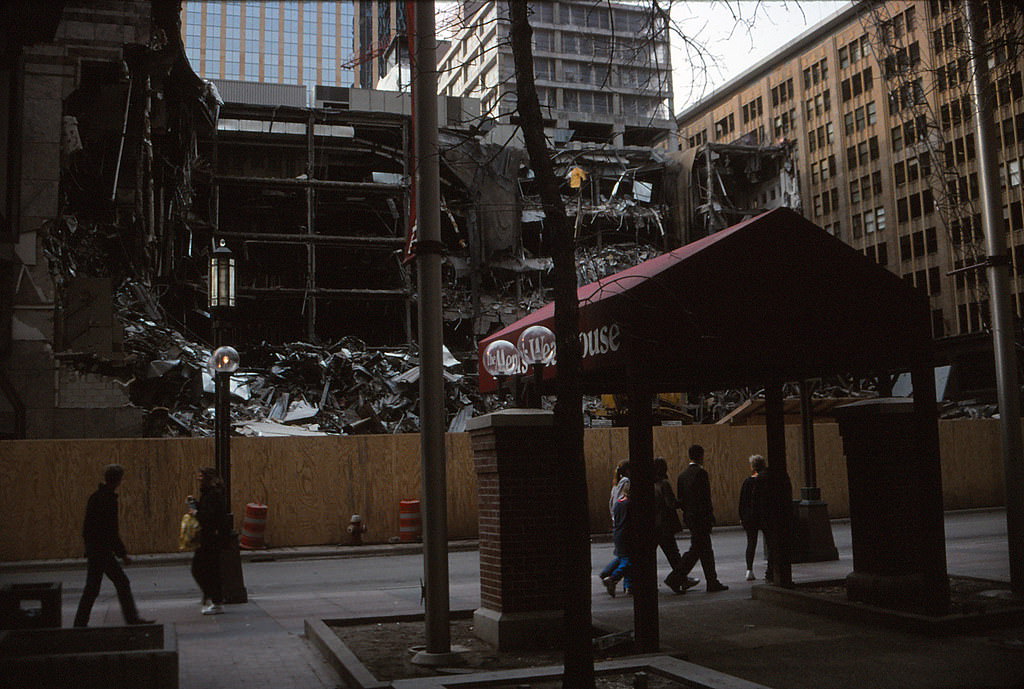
(253, 526)
(409, 520)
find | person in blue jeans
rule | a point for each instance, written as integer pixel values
(621, 569)
(620, 481)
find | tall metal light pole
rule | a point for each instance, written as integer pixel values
(998, 267)
(428, 248)
(223, 362)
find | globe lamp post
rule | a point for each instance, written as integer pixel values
(536, 346)
(501, 360)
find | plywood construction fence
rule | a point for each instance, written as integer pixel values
(312, 486)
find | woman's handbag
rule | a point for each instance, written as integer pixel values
(188, 532)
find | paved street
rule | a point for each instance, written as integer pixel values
(262, 640)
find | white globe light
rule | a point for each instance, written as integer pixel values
(224, 360)
(537, 345)
(501, 358)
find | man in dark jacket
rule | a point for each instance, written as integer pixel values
(694, 493)
(102, 548)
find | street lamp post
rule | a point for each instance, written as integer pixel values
(223, 362)
(501, 360)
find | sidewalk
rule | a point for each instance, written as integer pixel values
(261, 643)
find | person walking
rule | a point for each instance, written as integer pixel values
(620, 566)
(211, 511)
(667, 525)
(620, 484)
(754, 510)
(103, 546)
(694, 491)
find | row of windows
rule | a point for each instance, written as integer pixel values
(725, 126)
(870, 221)
(856, 84)
(905, 59)
(955, 112)
(920, 243)
(861, 152)
(823, 169)
(894, 29)
(852, 52)
(964, 188)
(781, 124)
(816, 73)
(782, 93)
(860, 118)
(752, 110)
(878, 253)
(959, 151)
(826, 202)
(915, 205)
(948, 36)
(908, 133)
(911, 169)
(818, 105)
(927, 279)
(817, 138)
(906, 95)
(698, 139)
(865, 187)
(590, 15)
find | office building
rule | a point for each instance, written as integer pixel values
(875, 105)
(269, 41)
(602, 69)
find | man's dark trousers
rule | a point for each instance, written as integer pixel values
(99, 564)
(700, 549)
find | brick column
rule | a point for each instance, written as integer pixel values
(521, 580)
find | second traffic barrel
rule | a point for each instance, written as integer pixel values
(409, 528)
(253, 526)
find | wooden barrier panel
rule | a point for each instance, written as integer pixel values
(312, 485)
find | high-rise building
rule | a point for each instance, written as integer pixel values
(602, 68)
(271, 41)
(875, 103)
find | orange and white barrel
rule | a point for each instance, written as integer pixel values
(253, 527)
(409, 528)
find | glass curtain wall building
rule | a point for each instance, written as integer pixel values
(275, 42)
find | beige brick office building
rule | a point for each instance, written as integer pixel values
(873, 105)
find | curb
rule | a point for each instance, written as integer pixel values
(263, 555)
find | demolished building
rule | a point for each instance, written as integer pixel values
(126, 168)
(723, 184)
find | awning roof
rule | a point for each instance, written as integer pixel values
(772, 298)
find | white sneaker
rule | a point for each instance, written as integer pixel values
(750, 575)
(213, 609)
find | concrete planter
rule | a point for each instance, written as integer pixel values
(90, 658)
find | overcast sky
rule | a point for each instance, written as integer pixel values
(737, 34)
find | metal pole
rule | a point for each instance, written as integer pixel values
(428, 260)
(810, 490)
(222, 436)
(999, 298)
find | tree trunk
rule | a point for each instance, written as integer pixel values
(579, 654)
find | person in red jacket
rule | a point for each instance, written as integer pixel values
(103, 546)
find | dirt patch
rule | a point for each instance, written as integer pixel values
(967, 595)
(386, 649)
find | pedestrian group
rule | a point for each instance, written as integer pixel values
(103, 545)
(693, 497)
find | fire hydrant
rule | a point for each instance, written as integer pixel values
(356, 529)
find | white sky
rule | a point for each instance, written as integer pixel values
(737, 34)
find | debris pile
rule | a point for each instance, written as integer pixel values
(292, 389)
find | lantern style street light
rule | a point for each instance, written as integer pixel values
(501, 360)
(222, 363)
(536, 346)
(222, 279)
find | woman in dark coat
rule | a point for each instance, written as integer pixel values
(753, 509)
(211, 511)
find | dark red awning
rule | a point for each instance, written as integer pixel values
(772, 298)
